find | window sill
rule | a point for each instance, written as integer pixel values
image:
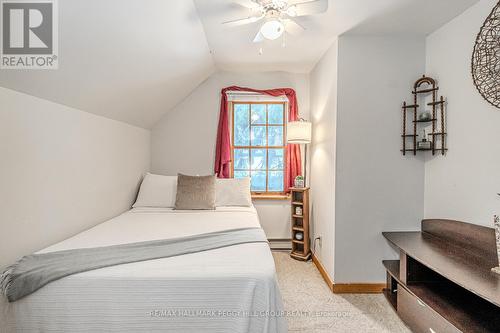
(270, 197)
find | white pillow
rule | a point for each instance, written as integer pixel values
(233, 192)
(157, 191)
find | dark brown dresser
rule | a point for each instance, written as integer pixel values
(443, 281)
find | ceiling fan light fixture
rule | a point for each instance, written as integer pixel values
(272, 29)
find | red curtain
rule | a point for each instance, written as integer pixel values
(293, 165)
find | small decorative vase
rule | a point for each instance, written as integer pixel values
(298, 211)
(299, 236)
(299, 182)
(496, 221)
(424, 116)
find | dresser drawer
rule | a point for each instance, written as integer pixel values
(419, 316)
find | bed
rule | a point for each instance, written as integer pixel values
(230, 289)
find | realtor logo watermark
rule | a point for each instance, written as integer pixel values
(29, 38)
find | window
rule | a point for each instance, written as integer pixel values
(259, 145)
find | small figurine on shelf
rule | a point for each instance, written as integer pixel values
(425, 116)
(298, 211)
(299, 181)
(299, 236)
(424, 144)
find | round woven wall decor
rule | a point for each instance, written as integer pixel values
(486, 59)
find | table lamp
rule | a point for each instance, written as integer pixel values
(299, 132)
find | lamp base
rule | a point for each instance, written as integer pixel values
(305, 165)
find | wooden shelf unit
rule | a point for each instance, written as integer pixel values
(300, 224)
(443, 280)
(437, 121)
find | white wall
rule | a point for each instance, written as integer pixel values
(323, 117)
(184, 139)
(377, 189)
(463, 185)
(62, 171)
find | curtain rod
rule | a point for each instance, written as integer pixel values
(248, 93)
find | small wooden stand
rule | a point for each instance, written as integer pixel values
(300, 224)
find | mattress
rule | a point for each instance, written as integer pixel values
(230, 289)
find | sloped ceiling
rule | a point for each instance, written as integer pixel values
(233, 48)
(133, 61)
(411, 17)
(126, 60)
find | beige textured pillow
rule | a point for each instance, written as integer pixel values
(195, 192)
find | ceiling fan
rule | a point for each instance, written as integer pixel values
(278, 16)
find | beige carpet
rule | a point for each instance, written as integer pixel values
(316, 309)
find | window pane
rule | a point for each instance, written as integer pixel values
(258, 181)
(259, 114)
(258, 136)
(241, 125)
(259, 157)
(275, 112)
(275, 134)
(276, 158)
(241, 174)
(275, 182)
(241, 159)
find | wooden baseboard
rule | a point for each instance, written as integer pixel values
(323, 272)
(280, 244)
(347, 288)
(358, 288)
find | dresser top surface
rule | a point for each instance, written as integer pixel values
(466, 268)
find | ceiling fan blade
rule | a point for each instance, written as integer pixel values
(247, 4)
(302, 8)
(248, 20)
(258, 38)
(299, 2)
(292, 27)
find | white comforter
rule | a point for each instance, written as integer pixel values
(230, 289)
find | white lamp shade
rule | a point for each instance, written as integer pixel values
(299, 132)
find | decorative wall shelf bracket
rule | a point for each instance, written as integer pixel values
(417, 118)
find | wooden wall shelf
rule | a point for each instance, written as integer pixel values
(300, 224)
(424, 149)
(435, 103)
(437, 135)
(425, 91)
(443, 280)
(425, 121)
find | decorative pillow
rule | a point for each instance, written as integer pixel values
(233, 192)
(195, 192)
(157, 191)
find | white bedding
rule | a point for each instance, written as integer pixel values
(221, 290)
